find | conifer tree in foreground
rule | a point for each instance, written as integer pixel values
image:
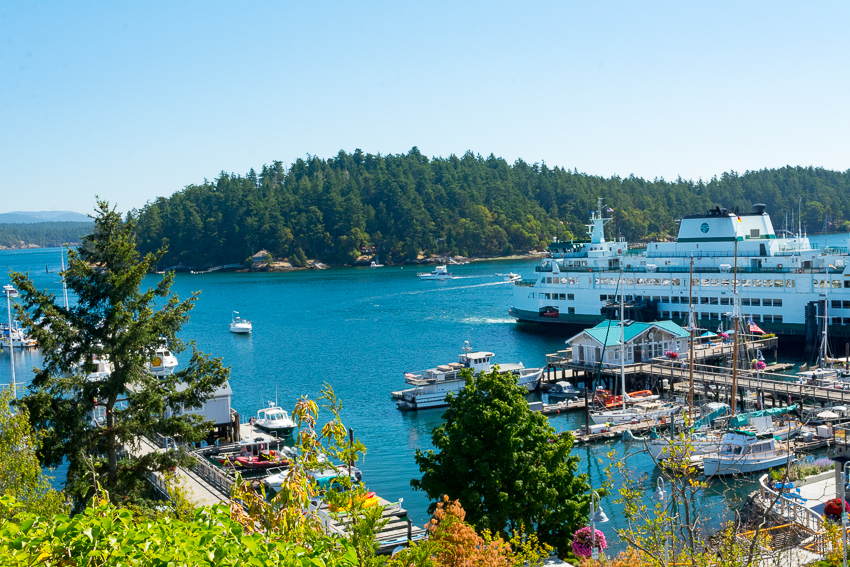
(113, 318)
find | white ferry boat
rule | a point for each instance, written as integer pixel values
(431, 386)
(785, 286)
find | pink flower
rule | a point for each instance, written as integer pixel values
(582, 544)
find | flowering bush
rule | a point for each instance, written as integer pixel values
(832, 509)
(671, 355)
(758, 365)
(582, 544)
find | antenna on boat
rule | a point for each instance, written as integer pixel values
(466, 347)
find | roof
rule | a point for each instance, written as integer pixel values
(260, 255)
(607, 333)
(480, 354)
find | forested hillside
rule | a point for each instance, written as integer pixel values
(474, 206)
(43, 234)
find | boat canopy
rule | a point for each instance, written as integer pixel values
(706, 420)
(744, 418)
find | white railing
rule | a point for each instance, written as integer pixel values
(787, 507)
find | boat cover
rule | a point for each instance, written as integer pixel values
(706, 420)
(744, 418)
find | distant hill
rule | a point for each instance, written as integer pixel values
(26, 217)
(42, 234)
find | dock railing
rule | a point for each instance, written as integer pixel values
(788, 507)
(213, 475)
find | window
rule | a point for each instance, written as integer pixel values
(724, 283)
(712, 301)
(778, 283)
(665, 281)
(714, 316)
(563, 280)
(665, 300)
(604, 281)
(674, 299)
(603, 298)
(703, 315)
(766, 318)
(705, 281)
(756, 283)
(756, 318)
(836, 320)
(724, 301)
(675, 314)
(715, 282)
(548, 280)
(792, 283)
(745, 301)
(665, 314)
(656, 299)
(755, 302)
(571, 310)
(768, 283)
(846, 304)
(656, 281)
(777, 318)
(777, 303)
(746, 283)
(836, 284)
(766, 302)
(630, 281)
(677, 281)
(703, 300)
(754, 233)
(571, 296)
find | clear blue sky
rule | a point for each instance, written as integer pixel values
(136, 100)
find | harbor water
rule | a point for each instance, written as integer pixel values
(359, 330)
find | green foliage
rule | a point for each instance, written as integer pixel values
(115, 321)
(20, 474)
(45, 234)
(406, 204)
(105, 535)
(505, 463)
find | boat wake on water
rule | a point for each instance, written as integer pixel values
(490, 320)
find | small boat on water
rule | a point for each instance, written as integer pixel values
(375, 265)
(431, 386)
(563, 391)
(256, 454)
(744, 452)
(274, 420)
(637, 412)
(324, 477)
(439, 273)
(239, 325)
(163, 361)
(511, 277)
(614, 402)
(19, 338)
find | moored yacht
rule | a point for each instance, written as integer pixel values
(563, 391)
(239, 325)
(431, 386)
(163, 362)
(636, 412)
(19, 339)
(439, 273)
(275, 420)
(743, 452)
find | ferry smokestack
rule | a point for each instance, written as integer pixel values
(759, 208)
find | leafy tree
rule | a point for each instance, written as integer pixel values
(504, 463)
(114, 321)
(20, 474)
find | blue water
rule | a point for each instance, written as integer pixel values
(359, 329)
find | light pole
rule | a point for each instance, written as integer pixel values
(10, 293)
(596, 515)
(661, 497)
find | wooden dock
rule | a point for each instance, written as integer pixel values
(398, 531)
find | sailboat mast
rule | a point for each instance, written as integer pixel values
(691, 345)
(823, 343)
(735, 316)
(64, 285)
(622, 338)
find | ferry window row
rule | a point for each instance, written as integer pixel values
(554, 296)
(841, 321)
(704, 282)
(836, 284)
(837, 304)
(756, 317)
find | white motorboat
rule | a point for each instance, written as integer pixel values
(563, 391)
(274, 419)
(743, 452)
(511, 277)
(431, 386)
(439, 273)
(163, 362)
(375, 265)
(640, 412)
(19, 338)
(239, 325)
(324, 477)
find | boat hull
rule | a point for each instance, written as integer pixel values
(420, 398)
(283, 430)
(721, 466)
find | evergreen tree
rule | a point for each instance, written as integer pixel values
(113, 320)
(504, 463)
